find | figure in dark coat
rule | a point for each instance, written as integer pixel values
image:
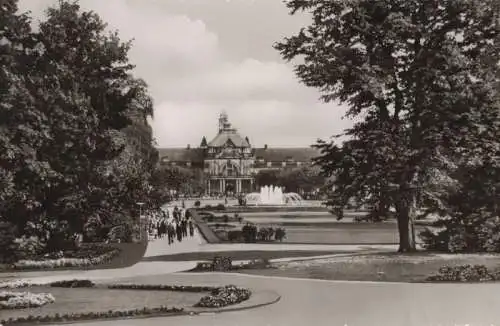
(178, 230)
(191, 228)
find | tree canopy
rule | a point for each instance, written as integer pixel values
(422, 77)
(73, 120)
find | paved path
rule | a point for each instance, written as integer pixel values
(329, 303)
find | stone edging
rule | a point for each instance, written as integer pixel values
(203, 228)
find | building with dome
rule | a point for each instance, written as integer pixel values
(230, 163)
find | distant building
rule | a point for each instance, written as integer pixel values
(229, 161)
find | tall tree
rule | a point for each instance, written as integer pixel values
(22, 129)
(419, 74)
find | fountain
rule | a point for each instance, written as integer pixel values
(274, 196)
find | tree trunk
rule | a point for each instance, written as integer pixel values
(406, 210)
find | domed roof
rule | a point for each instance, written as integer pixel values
(227, 135)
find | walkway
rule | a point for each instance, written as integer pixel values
(329, 303)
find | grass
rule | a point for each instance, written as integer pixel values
(130, 254)
(83, 300)
(389, 267)
(240, 255)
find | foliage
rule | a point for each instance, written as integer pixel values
(419, 76)
(224, 296)
(471, 220)
(7, 238)
(249, 233)
(464, 273)
(302, 179)
(111, 314)
(235, 236)
(197, 204)
(73, 121)
(279, 234)
(73, 284)
(222, 264)
(266, 178)
(161, 287)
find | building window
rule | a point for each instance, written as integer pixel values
(230, 170)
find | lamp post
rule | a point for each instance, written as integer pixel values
(140, 204)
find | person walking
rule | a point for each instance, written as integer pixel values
(171, 233)
(178, 230)
(191, 228)
(184, 227)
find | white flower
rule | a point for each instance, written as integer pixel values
(19, 300)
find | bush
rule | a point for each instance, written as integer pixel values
(121, 233)
(220, 207)
(479, 234)
(73, 284)
(464, 273)
(7, 238)
(29, 247)
(235, 236)
(92, 229)
(249, 233)
(222, 264)
(225, 218)
(279, 234)
(265, 234)
(197, 204)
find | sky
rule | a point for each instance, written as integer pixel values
(202, 57)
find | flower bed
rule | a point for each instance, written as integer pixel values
(224, 296)
(91, 315)
(16, 284)
(66, 262)
(73, 284)
(464, 273)
(160, 287)
(20, 300)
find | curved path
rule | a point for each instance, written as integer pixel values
(305, 301)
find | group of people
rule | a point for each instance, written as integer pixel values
(174, 224)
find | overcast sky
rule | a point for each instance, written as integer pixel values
(201, 57)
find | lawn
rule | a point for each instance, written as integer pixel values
(330, 232)
(388, 267)
(81, 300)
(240, 255)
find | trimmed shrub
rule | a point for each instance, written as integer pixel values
(235, 236)
(222, 264)
(249, 233)
(73, 284)
(279, 234)
(197, 204)
(220, 207)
